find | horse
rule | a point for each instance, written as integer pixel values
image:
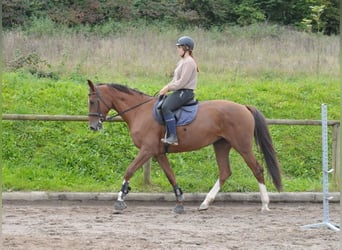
(224, 124)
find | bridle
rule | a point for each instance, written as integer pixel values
(99, 113)
(98, 101)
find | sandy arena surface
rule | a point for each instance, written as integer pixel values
(229, 225)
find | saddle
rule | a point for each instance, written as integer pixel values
(184, 115)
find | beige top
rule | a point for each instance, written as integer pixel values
(185, 75)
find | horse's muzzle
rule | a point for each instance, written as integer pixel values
(96, 126)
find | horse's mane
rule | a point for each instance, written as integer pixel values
(123, 88)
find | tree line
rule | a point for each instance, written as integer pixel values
(313, 15)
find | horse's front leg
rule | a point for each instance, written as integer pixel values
(139, 160)
(165, 165)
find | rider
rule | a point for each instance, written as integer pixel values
(183, 84)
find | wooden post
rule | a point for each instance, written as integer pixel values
(336, 154)
(147, 172)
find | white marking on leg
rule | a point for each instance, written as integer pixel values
(120, 196)
(265, 200)
(210, 196)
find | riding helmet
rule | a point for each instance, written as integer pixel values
(186, 41)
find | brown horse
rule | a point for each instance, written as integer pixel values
(224, 124)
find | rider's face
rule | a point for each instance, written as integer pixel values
(180, 50)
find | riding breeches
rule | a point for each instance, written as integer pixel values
(176, 100)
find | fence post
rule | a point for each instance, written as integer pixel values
(336, 154)
(147, 172)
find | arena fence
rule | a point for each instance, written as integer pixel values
(147, 166)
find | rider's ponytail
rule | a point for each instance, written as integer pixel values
(190, 53)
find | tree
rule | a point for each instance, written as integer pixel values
(248, 12)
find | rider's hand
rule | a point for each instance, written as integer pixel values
(164, 90)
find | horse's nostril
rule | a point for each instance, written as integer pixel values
(93, 126)
(96, 127)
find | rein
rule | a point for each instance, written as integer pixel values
(100, 115)
(129, 109)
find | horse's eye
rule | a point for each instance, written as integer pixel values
(91, 102)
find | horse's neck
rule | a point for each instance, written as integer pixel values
(130, 106)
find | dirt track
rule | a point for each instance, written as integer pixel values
(155, 226)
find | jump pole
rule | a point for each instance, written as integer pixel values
(326, 172)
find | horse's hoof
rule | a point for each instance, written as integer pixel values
(203, 207)
(265, 208)
(119, 205)
(179, 209)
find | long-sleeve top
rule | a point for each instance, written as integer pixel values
(185, 75)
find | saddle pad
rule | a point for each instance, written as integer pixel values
(185, 115)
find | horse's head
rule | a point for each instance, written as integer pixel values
(98, 108)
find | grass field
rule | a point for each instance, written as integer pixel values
(285, 74)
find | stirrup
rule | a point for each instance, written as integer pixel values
(172, 140)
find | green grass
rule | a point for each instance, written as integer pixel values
(284, 73)
(66, 156)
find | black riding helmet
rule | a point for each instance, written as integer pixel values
(186, 42)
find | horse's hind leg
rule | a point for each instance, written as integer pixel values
(258, 172)
(222, 148)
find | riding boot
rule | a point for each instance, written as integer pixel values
(171, 128)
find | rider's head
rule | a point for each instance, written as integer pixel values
(187, 43)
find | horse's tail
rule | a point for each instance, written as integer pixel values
(264, 142)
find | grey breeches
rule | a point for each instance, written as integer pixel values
(176, 99)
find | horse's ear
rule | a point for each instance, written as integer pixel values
(91, 85)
